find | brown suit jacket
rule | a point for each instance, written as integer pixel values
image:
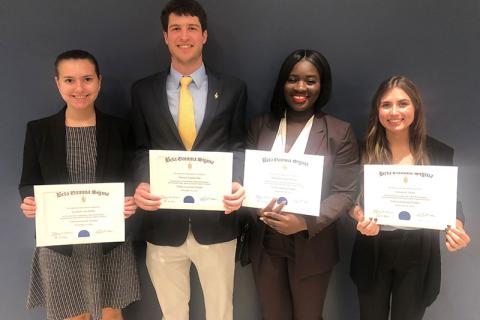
(316, 251)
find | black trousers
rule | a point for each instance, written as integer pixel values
(397, 288)
(282, 295)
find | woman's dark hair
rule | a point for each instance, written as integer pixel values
(76, 55)
(377, 149)
(278, 104)
(184, 8)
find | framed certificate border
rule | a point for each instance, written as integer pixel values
(195, 180)
(293, 179)
(79, 213)
(411, 196)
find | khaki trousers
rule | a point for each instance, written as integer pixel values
(169, 270)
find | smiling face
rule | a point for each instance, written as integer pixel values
(396, 111)
(78, 83)
(185, 39)
(302, 87)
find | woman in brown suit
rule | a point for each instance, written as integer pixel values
(293, 254)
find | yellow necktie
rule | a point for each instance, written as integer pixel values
(186, 116)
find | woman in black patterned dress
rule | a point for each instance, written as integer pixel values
(79, 144)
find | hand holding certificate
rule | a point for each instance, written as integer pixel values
(411, 196)
(295, 180)
(79, 213)
(191, 179)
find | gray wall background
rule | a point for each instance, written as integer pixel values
(435, 43)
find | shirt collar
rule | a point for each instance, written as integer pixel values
(198, 76)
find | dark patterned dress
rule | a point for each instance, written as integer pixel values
(88, 280)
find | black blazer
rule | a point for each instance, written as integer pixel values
(44, 158)
(223, 129)
(364, 262)
(316, 251)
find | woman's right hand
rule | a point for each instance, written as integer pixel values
(29, 207)
(366, 227)
(286, 223)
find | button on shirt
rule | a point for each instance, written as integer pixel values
(198, 88)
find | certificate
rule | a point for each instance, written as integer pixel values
(191, 179)
(293, 179)
(79, 213)
(411, 196)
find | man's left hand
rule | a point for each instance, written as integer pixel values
(234, 201)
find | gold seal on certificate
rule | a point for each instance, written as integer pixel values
(79, 213)
(191, 179)
(293, 179)
(411, 196)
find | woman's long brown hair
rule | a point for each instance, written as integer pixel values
(377, 149)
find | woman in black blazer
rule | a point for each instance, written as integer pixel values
(79, 144)
(397, 270)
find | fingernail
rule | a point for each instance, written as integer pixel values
(448, 226)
